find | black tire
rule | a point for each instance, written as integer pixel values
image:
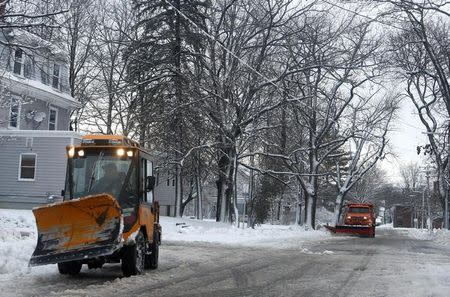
(151, 261)
(133, 260)
(71, 268)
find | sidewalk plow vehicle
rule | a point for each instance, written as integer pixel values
(107, 214)
(358, 219)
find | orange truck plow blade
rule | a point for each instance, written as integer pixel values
(77, 229)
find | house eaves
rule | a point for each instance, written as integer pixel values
(38, 90)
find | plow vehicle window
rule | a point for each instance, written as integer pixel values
(97, 173)
(359, 210)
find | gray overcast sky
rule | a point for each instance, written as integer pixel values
(405, 138)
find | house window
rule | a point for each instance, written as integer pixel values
(14, 114)
(28, 67)
(55, 80)
(29, 142)
(18, 61)
(52, 119)
(45, 77)
(27, 169)
(173, 183)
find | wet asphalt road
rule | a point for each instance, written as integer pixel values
(389, 265)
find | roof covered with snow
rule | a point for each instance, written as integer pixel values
(30, 40)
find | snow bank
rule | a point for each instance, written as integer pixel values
(277, 236)
(17, 240)
(439, 236)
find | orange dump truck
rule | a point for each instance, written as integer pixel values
(107, 214)
(358, 219)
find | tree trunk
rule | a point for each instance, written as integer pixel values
(219, 185)
(199, 198)
(178, 193)
(235, 202)
(310, 209)
(178, 123)
(337, 208)
(298, 208)
(142, 126)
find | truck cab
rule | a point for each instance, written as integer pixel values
(359, 214)
(108, 214)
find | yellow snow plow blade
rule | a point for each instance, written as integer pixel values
(77, 229)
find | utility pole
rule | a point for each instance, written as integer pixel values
(428, 198)
(423, 209)
(446, 185)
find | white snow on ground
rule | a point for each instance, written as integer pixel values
(276, 236)
(439, 236)
(18, 238)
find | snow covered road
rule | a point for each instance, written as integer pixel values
(213, 259)
(389, 265)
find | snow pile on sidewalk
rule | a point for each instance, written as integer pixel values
(439, 236)
(17, 240)
(277, 236)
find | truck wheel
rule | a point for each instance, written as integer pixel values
(134, 257)
(72, 267)
(151, 261)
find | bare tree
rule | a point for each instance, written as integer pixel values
(369, 143)
(78, 33)
(334, 62)
(244, 47)
(111, 108)
(411, 176)
(426, 91)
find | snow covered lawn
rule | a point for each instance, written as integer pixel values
(18, 238)
(276, 236)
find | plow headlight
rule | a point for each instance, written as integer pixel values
(365, 218)
(71, 152)
(349, 217)
(130, 153)
(81, 153)
(121, 152)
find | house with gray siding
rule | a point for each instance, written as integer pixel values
(165, 191)
(35, 107)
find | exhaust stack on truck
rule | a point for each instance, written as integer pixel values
(108, 214)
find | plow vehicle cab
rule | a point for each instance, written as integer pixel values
(108, 214)
(358, 219)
